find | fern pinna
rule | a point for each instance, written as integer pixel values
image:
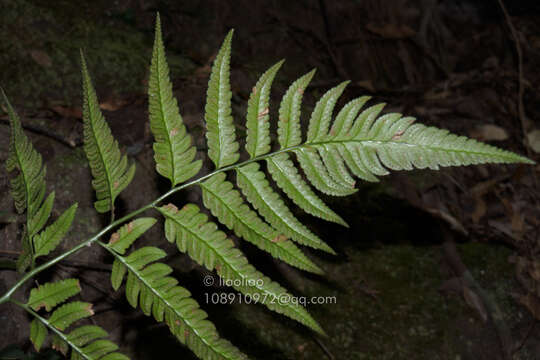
(358, 142)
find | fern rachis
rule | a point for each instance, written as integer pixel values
(356, 143)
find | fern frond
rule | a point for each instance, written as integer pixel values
(227, 205)
(345, 118)
(289, 180)
(174, 152)
(28, 187)
(289, 133)
(220, 130)
(109, 168)
(67, 314)
(257, 190)
(127, 234)
(38, 333)
(51, 294)
(85, 341)
(47, 240)
(322, 114)
(204, 243)
(150, 286)
(258, 125)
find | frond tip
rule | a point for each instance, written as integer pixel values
(109, 168)
(174, 152)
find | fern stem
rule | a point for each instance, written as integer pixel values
(88, 242)
(45, 322)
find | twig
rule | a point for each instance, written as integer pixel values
(521, 87)
(72, 143)
(495, 314)
(324, 348)
(524, 339)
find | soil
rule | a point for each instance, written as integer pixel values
(391, 292)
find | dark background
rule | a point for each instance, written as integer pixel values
(453, 64)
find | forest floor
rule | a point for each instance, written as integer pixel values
(393, 290)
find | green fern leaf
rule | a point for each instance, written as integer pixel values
(220, 131)
(318, 175)
(51, 294)
(258, 125)
(345, 118)
(127, 234)
(86, 341)
(227, 205)
(289, 133)
(200, 239)
(42, 215)
(47, 240)
(109, 168)
(270, 205)
(174, 152)
(85, 334)
(289, 180)
(149, 286)
(28, 187)
(335, 164)
(38, 333)
(68, 313)
(27, 253)
(322, 114)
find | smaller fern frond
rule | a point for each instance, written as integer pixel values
(109, 168)
(227, 205)
(289, 132)
(174, 152)
(220, 131)
(28, 187)
(51, 294)
(47, 240)
(127, 234)
(28, 190)
(149, 286)
(86, 342)
(204, 243)
(257, 190)
(258, 124)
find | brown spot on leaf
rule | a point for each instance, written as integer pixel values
(177, 322)
(89, 309)
(40, 306)
(254, 90)
(114, 238)
(115, 185)
(263, 113)
(174, 131)
(186, 333)
(398, 135)
(130, 226)
(279, 238)
(300, 91)
(284, 119)
(171, 208)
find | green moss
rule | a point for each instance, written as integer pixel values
(41, 48)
